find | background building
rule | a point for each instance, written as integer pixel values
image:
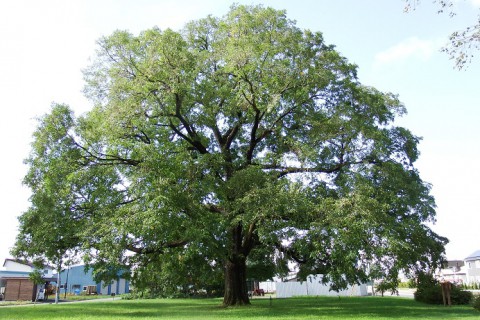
(78, 280)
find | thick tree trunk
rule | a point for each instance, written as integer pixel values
(236, 291)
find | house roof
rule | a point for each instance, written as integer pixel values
(4, 274)
(24, 262)
(453, 263)
(473, 256)
(18, 261)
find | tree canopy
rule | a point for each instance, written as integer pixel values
(235, 145)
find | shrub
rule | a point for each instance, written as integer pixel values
(460, 296)
(429, 291)
(130, 296)
(430, 295)
(476, 302)
(433, 295)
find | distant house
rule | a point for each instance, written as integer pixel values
(462, 271)
(76, 280)
(15, 283)
(22, 266)
(472, 263)
(453, 271)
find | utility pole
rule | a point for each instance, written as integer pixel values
(57, 293)
(66, 283)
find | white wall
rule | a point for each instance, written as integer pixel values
(268, 286)
(113, 288)
(313, 287)
(103, 288)
(291, 289)
(121, 286)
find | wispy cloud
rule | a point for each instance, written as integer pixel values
(409, 48)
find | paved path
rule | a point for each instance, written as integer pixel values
(404, 293)
(6, 304)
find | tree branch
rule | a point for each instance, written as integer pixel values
(157, 250)
(284, 170)
(215, 209)
(105, 159)
(249, 241)
(193, 137)
(291, 253)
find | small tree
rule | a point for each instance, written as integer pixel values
(48, 231)
(36, 277)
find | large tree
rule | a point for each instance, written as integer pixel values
(241, 139)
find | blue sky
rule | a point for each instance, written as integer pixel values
(45, 44)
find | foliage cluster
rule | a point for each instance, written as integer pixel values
(177, 276)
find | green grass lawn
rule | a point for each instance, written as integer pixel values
(294, 308)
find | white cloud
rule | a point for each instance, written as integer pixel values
(409, 48)
(475, 3)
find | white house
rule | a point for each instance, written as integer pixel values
(462, 271)
(472, 264)
(16, 265)
(453, 271)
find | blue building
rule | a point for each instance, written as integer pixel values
(79, 281)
